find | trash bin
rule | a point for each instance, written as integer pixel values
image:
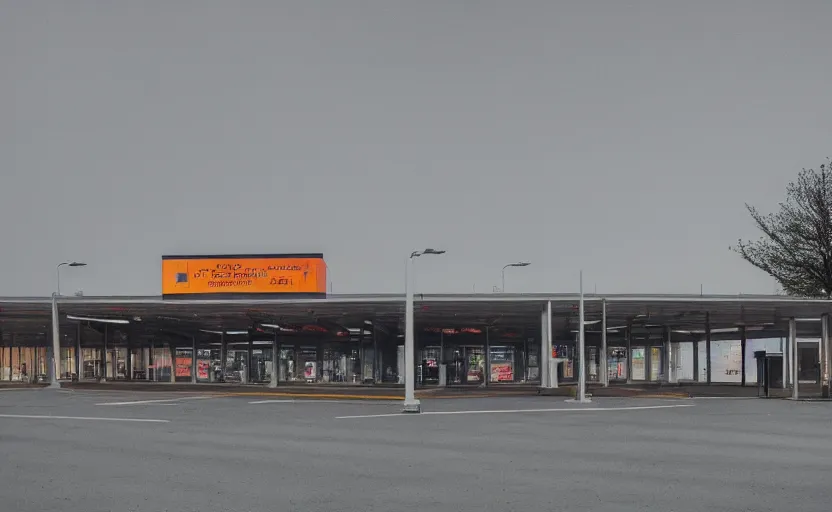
(769, 372)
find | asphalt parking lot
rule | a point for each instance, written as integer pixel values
(91, 451)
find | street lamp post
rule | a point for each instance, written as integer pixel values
(410, 402)
(518, 264)
(56, 330)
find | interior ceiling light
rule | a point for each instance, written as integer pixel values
(101, 320)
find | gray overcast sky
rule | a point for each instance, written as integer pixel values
(620, 137)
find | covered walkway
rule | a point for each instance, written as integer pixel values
(461, 339)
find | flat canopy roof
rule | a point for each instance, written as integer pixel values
(684, 313)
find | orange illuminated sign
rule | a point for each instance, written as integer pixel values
(256, 274)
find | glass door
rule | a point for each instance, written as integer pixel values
(503, 364)
(639, 363)
(656, 367)
(475, 365)
(117, 363)
(616, 364)
(592, 364)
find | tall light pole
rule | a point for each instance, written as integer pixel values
(56, 330)
(581, 395)
(410, 402)
(518, 264)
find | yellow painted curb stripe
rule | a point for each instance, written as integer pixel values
(316, 395)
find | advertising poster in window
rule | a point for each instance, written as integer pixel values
(502, 372)
(183, 366)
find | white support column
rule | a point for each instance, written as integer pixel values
(671, 367)
(545, 350)
(543, 365)
(793, 356)
(785, 358)
(605, 376)
(549, 343)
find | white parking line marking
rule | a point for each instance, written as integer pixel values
(515, 411)
(159, 401)
(84, 418)
(306, 401)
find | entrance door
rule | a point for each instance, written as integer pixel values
(639, 363)
(593, 363)
(475, 365)
(808, 359)
(656, 367)
(117, 363)
(617, 364)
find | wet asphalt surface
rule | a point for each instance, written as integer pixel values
(210, 453)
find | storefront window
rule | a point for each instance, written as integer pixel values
(236, 366)
(261, 365)
(160, 369)
(639, 364)
(502, 364)
(656, 366)
(475, 357)
(184, 364)
(616, 364)
(566, 371)
(427, 371)
(593, 363)
(726, 360)
(205, 361)
(534, 367)
(307, 360)
(67, 363)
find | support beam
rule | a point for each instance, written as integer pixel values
(784, 350)
(11, 362)
(629, 340)
(670, 367)
(708, 348)
(276, 360)
(486, 371)
(793, 356)
(193, 360)
(696, 361)
(743, 348)
(249, 358)
(376, 356)
(223, 356)
(79, 358)
(604, 373)
(543, 365)
(106, 335)
(172, 349)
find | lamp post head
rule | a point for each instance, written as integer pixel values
(416, 254)
(77, 264)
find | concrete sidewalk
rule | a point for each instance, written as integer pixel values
(396, 392)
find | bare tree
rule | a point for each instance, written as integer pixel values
(796, 242)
